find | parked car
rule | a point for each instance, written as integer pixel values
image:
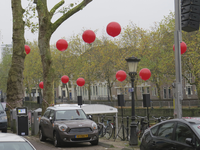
(3, 118)
(9, 141)
(174, 134)
(67, 124)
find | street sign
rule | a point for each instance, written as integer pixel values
(130, 89)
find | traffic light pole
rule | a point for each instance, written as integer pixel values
(178, 40)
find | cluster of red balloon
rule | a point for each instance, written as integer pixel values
(121, 75)
(144, 74)
(65, 79)
(41, 85)
(27, 49)
(183, 47)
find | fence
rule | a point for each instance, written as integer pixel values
(139, 103)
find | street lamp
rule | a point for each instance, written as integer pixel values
(132, 65)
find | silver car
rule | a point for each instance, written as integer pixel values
(9, 141)
(67, 124)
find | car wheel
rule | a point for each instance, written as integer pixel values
(4, 130)
(56, 140)
(96, 142)
(41, 135)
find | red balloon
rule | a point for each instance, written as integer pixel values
(64, 79)
(183, 47)
(27, 49)
(61, 45)
(113, 29)
(121, 75)
(145, 74)
(88, 36)
(80, 81)
(41, 85)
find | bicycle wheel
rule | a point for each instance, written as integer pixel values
(108, 132)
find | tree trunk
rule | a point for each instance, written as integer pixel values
(44, 46)
(15, 89)
(46, 29)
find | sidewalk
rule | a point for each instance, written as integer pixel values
(117, 144)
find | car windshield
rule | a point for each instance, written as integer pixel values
(197, 128)
(15, 146)
(76, 114)
(1, 107)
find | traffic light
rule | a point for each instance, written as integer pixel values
(190, 15)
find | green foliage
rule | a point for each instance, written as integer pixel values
(5, 67)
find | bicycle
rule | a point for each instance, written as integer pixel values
(105, 129)
(161, 118)
(143, 126)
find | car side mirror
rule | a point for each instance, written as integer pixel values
(6, 109)
(189, 141)
(51, 119)
(90, 117)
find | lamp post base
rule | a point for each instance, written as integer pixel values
(133, 135)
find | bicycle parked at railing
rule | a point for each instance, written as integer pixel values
(160, 119)
(143, 126)
(105, 129)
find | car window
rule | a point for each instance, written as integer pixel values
(15, 146)
(154, 130)
(46, 114)
(52, 114)
(70, 114)
(183, 132)
(166, 130)
(196, 127)
(1, 107)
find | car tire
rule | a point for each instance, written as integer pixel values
(56, 140)
(4, 130)
(41, 135)
(96, 142)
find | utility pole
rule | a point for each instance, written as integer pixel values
(178, 40)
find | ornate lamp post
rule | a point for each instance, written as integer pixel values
(132, 65)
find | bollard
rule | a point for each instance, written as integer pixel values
(114, 125)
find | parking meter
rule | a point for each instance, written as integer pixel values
(22, 121)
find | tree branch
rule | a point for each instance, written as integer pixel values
(52, 11)
(65, 16)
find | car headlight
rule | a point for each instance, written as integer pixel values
(62, 127)
(94, 126)
(3, 118)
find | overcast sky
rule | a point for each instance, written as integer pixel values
(95, 16)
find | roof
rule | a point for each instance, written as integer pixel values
(64, 107)
(88, 108)
(6, 137)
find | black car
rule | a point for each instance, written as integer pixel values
(174, 134)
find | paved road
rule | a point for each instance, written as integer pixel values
(48, 145)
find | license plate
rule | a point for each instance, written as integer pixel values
(82, 136)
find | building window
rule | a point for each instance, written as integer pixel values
(93, 90)
(125, 91)
(147, 90)
(96, 90)
(169, 92)
(63, 93)
(165, 93)
(142, 90)
(195, 90)
(188, 90)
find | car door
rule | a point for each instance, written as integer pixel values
(44, 122)
(50, 124)
(163, 138)
(182, 132)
